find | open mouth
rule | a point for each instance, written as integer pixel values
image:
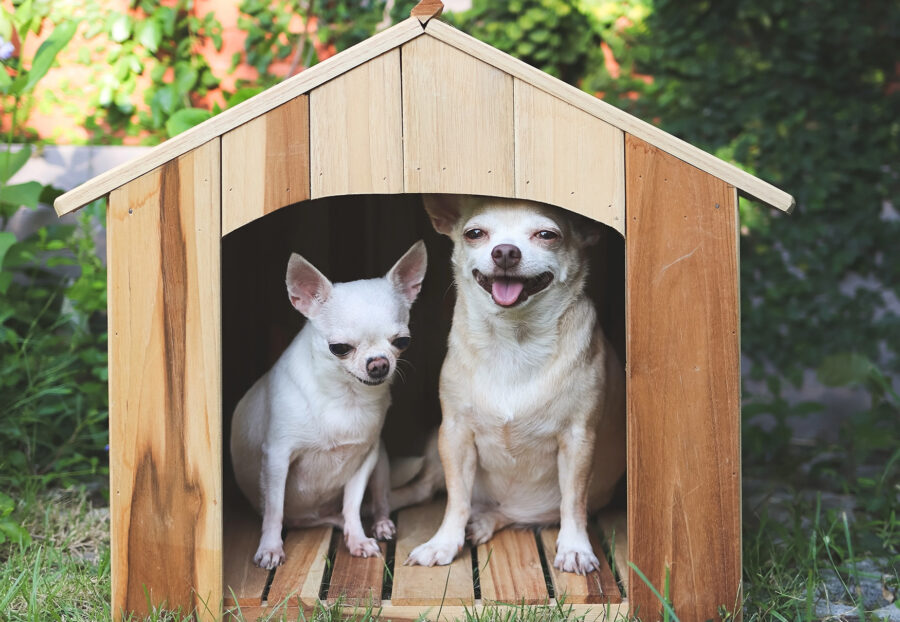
(508, 291)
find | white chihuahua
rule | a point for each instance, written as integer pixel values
(305, 439)
(532, 394)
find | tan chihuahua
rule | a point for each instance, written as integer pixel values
(532, 393)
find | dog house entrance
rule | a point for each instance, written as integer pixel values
(355, 237)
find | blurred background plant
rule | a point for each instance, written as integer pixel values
(803, 94)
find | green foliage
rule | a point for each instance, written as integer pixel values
(52, 333)
(809, 100)
(273, 33)
(159, 40)
(556, 36)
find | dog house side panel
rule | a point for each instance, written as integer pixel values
(164, 386)
(265, 164)
(683, 386)
(569, 158)
(458, 122)
(355, 131)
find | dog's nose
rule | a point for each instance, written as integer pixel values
(506, 256)
(378, 367)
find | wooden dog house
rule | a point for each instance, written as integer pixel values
(418, 108)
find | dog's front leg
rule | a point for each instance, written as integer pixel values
(354, 489)
(456, 444)
(573, 547)
(380, 489)
(273, 477)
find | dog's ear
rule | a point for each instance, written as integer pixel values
(307, 288)
(444, 211)
(408, 273)
(588, 231)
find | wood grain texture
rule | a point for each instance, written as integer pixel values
(356, 144)
(164, 386)
(683, 386)
(357, 579)
(418, 585)
(458, 133)
(243, 583)
(283, 92)
(265, 164)
(747, 183)
(509, 569)
(447, 613)
(614, 524)
(426, 10)
(597, 587)
(569, 158)
(306, 553)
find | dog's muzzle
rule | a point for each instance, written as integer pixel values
(509, 291)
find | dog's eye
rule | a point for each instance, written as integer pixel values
(547, 235)
(474, 234)
(340, 349)
(401, 343)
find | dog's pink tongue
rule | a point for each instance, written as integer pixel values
(506, 291)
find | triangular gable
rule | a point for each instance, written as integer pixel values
(393, 38)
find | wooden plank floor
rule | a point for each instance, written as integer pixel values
(514, 567)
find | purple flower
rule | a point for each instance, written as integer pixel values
(6, 49)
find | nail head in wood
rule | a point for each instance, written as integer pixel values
(426, 10)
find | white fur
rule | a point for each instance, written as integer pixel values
(532, 395)
(305, 438)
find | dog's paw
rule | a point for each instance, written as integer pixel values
(269, 557)
(363, 547)
(384, 529)
(577, 559)
(480, 529)
(436, 551)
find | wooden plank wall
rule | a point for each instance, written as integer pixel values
(356, 144)
(165, 386)
(683, 385)
(265, 164)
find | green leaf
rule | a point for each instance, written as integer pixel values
(12, 161)
(242, 95)
(46, 54)
(185, 119)
(150, 34)
(185, 77)
(7, 239)
(120, 29)
(844, 369)
(27, 194)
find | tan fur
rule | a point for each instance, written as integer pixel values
(532, 395)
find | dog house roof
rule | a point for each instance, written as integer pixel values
(419, 25)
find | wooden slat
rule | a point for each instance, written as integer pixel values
(417, 585)
(244, 583)
(747, 183)
(509, 569)
(306, 554)
(596, 587)
(265, 164)
(458, 133)
(448, 613)
(164, 386)
(356, 144)
(615, 532)
(240, 114)
(358, 579)
(683, 384)
(569, 158)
